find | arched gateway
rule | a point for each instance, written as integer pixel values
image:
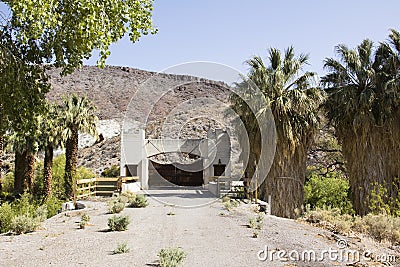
(208, 157)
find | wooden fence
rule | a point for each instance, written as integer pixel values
(100, 186)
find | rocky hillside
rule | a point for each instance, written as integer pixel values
(169, 105)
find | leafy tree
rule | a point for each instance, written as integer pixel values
(78, 116)
(293, 101)
(23, 88)
(363, 106)
(68, 31)
(50, 138)
(63, 33)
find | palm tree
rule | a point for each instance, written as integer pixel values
(293, 101)
(50, 138)
(78, 116)
(363, 106)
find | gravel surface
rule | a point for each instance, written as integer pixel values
(189, 218)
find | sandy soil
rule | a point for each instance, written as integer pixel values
(201, 226)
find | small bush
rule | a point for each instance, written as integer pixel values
(331, 191)
(85, 217)
(41, 213)
(111, 172)
(6, 215)
(225, 199)
(53, 206)
(121, 248)
(140, 201)
(22, 224)
(171, 257)
(230, 205)
(116, 205)
(257, 222)
(128, 196)
(118, 223)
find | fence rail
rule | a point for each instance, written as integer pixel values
(100, 186)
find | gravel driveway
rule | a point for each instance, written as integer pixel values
(189, 218)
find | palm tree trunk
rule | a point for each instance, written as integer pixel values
(30, 170)
(1, 161)
(285, 182)
(19, 172)
(48, 170)
(71, 159)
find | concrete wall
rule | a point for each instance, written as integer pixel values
(135, 150)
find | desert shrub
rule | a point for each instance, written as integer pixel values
(53, 205)
(41, 213)
(118, 223)
(128, 196)
(171, 257)
(331, 191)
(257, 222)
(22, 224)
(6, 215)
(116, 205)
(140, 201)
(379, 202)
(230, 205)
(226, 199)
(85, 217)
(113, 171)
(121, 248)
(381, 227)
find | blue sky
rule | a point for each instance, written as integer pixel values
(231, 31)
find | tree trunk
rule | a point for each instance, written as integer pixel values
(372, 160)
(71, 158)
(29, 171)
(24, 172)
(48, 170)
(285, 182)
(1, 161)
(19, 178)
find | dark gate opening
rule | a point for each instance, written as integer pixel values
(177, 174)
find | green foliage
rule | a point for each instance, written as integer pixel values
(114, 171)
(57, 180)
(22, 224)
(68, 32)
(121, 248)
(27, 206)
(171, 257)
(41, 213)
(380, 227)
(128, 196)
(379, 201)
(116, 205)
(331, 191)
(53, 206)
(118, 223)
(6, 215)
(257, 222)
(140, 201)
(85, 217)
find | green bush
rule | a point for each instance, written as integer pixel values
(331, 191)
(171, 257)
(53, 206)
(41, 213)
(140, 201)
(114, 171)
(121, 248)
(118, 223)
(22, 224)
(128, 196)
(116, 205)
(6, 215)
(85, 217)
